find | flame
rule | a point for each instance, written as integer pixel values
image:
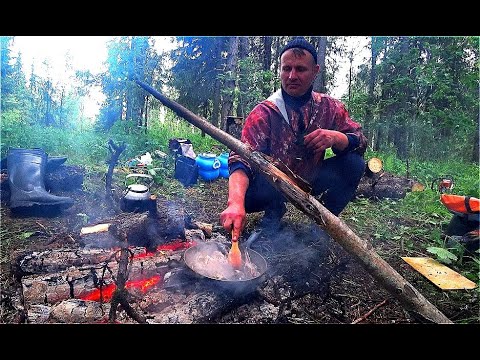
(172, 246)
(144, 255)
(107, 291)
(142, 285)
(94, 295)
(176, 245)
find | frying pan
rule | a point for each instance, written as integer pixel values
(256, 260)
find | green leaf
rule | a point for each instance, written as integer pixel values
(27, 234)
(443, 255)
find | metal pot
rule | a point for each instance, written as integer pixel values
(136, 195)
(246, 283)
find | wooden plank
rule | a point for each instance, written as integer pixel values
(439, 274)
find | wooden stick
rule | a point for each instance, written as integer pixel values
(361, 318)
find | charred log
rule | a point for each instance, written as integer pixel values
(385, 185)
(163, 223)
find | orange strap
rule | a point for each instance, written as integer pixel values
(461, 204)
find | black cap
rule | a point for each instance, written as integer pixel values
(300, 42)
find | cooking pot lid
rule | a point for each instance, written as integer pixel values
(139, 188)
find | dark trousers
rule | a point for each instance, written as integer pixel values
(336, 184)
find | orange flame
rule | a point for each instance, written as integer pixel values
(143, 285)
(107, 291)
(176, 245)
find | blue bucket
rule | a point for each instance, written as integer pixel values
(208, 166)
(223, 158)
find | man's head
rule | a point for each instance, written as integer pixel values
(298, 67)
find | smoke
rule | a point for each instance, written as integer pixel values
(299, 246)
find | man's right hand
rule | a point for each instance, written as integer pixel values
(233, 220)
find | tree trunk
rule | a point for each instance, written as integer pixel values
(242, 54)
(229, 85)
(319, 84)
(218, 84)
(276, 58)
(267, 48)
(371, 86)
(475, 155)
(267, 62)
(391, 280)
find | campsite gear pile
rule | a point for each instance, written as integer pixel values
(186, 170)
(26, 177)
(190, 166)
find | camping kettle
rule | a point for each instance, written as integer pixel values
(136, 194)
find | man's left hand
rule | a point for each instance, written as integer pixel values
(320, 140)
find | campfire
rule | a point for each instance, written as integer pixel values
(131, 269)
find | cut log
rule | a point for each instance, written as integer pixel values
(361, 249)
(374, 166)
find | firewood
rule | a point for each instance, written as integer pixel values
(206, 228)
(94, 229)
(374, 166)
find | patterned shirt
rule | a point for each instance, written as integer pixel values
(269, 131)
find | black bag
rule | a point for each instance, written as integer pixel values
(175, 145)
(186, 170)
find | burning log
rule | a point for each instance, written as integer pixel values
(163, 223)
(54, 260)
(77, 311)
(86, 294)
(363, 251)
(90, 281)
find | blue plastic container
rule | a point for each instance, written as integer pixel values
(223, 158)
(208, 166)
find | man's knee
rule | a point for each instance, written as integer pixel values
(262, 195)
(354, 165)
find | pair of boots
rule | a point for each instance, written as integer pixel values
(26, 178)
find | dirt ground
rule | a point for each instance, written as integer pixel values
(322, 283)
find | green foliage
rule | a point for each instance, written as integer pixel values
(442, 254)
(253, 81)
(196, 65)
(425, 100)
